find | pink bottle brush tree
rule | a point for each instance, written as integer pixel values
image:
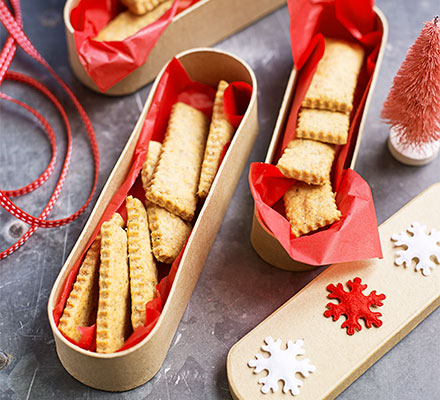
(412, 107)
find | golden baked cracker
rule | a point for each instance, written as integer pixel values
(127, 24)
(82, 303)
(325, 126)
(310, 207)
(175, 180)
(154, 150)
(113, 317)
(141, 7)
(307, 160)
(220, 133)
(168, 233)
(143, 271)
(335, 80)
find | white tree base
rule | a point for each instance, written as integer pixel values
(411, 156)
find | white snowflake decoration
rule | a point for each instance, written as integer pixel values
(420, 246)
(281, 365)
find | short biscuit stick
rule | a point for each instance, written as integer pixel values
(168, 231)
(153, 154)
(307, 161)
(141, 7)
(113, 318)
(143, 271)
(220, 133)
(127, 24)
(334, 82)
(82, 303)
(310, 207)
(175, 180)
(325, 126)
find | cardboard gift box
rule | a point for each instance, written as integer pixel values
(203, 24)
(263, 240)
(127, 369)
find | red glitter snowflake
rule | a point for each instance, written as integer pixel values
(354, 305)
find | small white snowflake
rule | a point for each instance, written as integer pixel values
(281, 365)
(421, 246)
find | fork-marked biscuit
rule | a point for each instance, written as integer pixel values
(334, 82)
(127, 24)
(220, 133)
(307, 160)
(325, 126)
(151, 160)
(141, 7)
(143, 271)
(168, 233)
(82, 303)
(310, 207)
(113, 317)
(176, 177)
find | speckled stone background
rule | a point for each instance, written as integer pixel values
(236, 289)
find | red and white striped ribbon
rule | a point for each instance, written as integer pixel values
(17, 37)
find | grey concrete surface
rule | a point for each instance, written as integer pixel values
(236, 289)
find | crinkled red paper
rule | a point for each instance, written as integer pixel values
(109, 62)
(175, 85)
(355, 236)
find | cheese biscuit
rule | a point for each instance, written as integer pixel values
(143, 271)
(325, 126)
(307, 161)
(220, 133)
(113, 317)
(310, 207)
(334, 82)
(82, 303)
(176, 177)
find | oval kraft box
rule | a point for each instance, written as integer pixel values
(214, 20)
(132, 367)
(264, 243)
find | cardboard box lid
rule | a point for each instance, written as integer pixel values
(339, 358)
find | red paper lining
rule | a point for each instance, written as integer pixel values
(175, 85)
(107, 63)
(309, 23)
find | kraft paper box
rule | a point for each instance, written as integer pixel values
(203, 24)
(130, 368)
(264, 242)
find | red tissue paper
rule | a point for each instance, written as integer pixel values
(109, 62)
(174, 86)
(355, 236)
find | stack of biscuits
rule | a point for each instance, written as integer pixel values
(118, 275)
(138, 15)
(323, 124)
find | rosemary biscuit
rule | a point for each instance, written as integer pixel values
(127, 24)
(143, 271)
(325, 126)
(307, 160)
(168, 233)
(141, 7)
(113, 317)
(333, 85)
(153, 154)
(176, 177)
(82, 303)
(220, 133)
(310, 207)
